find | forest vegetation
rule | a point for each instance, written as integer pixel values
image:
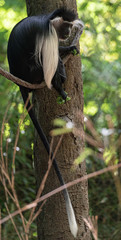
(100, 51)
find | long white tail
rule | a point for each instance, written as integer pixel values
(71, 215)
(46, 54)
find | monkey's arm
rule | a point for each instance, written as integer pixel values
(63, 51)
(67, 46)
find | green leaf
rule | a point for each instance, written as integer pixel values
(60, 100)
(35, 234)
(68, 99)
(60, 131)
(59, 122)
(74, 52)
(83, 156)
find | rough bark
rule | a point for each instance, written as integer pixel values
(52, 222)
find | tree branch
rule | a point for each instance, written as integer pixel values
(59, 189)
(19, 81)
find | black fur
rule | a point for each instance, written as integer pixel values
(66, 14)
(21, 56)
(21, 48)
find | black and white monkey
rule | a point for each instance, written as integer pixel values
(34, 55)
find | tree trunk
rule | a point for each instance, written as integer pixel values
(52, 222)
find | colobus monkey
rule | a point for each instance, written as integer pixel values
(34, 55)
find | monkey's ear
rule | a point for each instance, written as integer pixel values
(56, 22)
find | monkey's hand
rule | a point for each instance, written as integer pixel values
(74, 50)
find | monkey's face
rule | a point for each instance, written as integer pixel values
(64, 30)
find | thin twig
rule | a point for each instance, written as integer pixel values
(6, 189)
(17, 138)
(6, 157)
(90, 126)
(41, 185)
(45, 177)
(70, 184)
(13, 163)
(39, 211)
(0, 226)
(13, 222)
(49, 167)
(2, 130)
(5, 174)
(91, 226)
(2, 164)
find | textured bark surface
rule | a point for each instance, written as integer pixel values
(52, 222)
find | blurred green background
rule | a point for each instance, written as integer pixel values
(100, 47)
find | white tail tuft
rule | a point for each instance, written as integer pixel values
(71, 217)
(46, 51)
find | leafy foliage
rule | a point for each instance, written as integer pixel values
(101, 70)
(101, 54)
(101, 67)
(12, 12)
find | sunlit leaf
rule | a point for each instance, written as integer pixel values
(7, 130)
(91, 108)
(59, 122)
(60, 131)
(87, 152)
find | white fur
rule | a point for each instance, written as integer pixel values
(38, 49)
(47, 48)
(78, 23)
(50, 56)
(71, 217)
(57, 21)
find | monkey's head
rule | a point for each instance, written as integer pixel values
(63, 28)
